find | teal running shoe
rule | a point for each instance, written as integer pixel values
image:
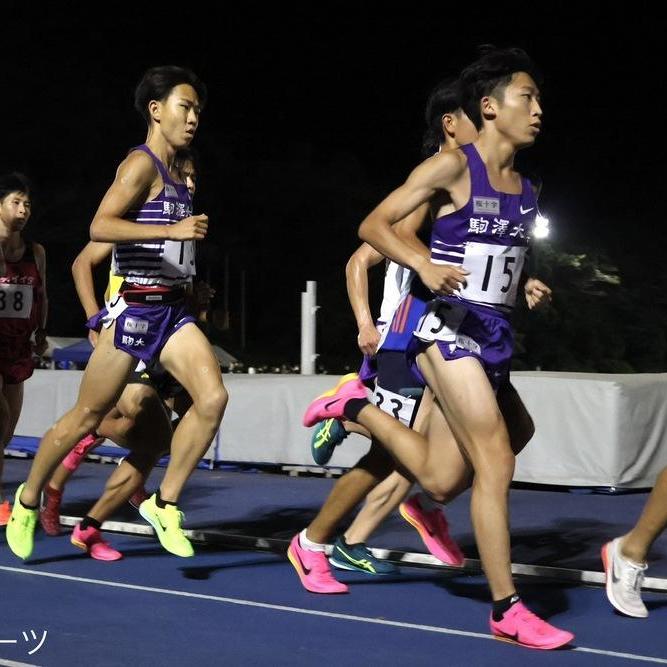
(327, 435)
(358, 557)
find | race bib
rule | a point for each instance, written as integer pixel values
(179, 258)
(495, 271)
(441, 321)
(15, 301)
(399, 407)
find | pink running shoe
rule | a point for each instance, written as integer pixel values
(49, 515)
(313, 569)
(432, 528)
(90, 540)
(331, 403)
(520, 626)
(73, 460)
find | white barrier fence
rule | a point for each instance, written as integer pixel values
(591, 430)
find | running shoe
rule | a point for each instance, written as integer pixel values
(167, 525)
(434, 531)
(74, 458)
(313, 569)
(90, 540)
(624, 581)
(332, 403)
(359, 558)
(327, 435)
(520, 626)
(21, 527)
(49, 515)
(5, 512)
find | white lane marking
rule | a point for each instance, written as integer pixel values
(310, 612)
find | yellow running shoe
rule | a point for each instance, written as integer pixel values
(167, 525)
(21, 527)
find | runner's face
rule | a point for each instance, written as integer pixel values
(189, 176)
(518, 113)
(15, 210)
(178, 115)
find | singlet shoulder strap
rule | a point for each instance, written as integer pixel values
(164, 172)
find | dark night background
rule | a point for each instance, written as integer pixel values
(313, 116)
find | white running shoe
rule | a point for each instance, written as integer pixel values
(624, 581)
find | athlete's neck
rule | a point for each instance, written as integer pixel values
(496, 151)
(161, 148)
(12, 243)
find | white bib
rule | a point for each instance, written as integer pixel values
(495, 271)
(15, 301)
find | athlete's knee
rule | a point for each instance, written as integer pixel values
(495, 473)
(435, 488)
(212, 404)
(82, 418)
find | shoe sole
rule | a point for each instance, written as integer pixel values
(84, 547)
(159, 532)
(302, 575)
(550, 647)
(608, 587)
(353, 568)
(424, 535)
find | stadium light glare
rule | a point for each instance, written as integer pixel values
(541, 228)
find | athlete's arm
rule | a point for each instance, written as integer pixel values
(538, 294)
(93, 253)
(408, 230)
(132, 185)
(356, 272)
(40, 333)
(439, 172)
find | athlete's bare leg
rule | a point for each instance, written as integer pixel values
(188, 356)
(103, 382)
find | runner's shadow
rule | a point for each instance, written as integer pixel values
(127, 553)
(204, 572)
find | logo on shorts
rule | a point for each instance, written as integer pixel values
(135, 326)
(131, 341)
(485, 205)
(466, 343)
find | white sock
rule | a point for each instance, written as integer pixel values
(309, 545)
(426, 503)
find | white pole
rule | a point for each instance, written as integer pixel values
(308, 331)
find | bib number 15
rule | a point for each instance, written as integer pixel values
(494, 272)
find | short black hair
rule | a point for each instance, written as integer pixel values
(14, 182)
(158, 82)
(490, 74)
(444, 98)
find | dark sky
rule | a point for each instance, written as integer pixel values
(313, 116)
